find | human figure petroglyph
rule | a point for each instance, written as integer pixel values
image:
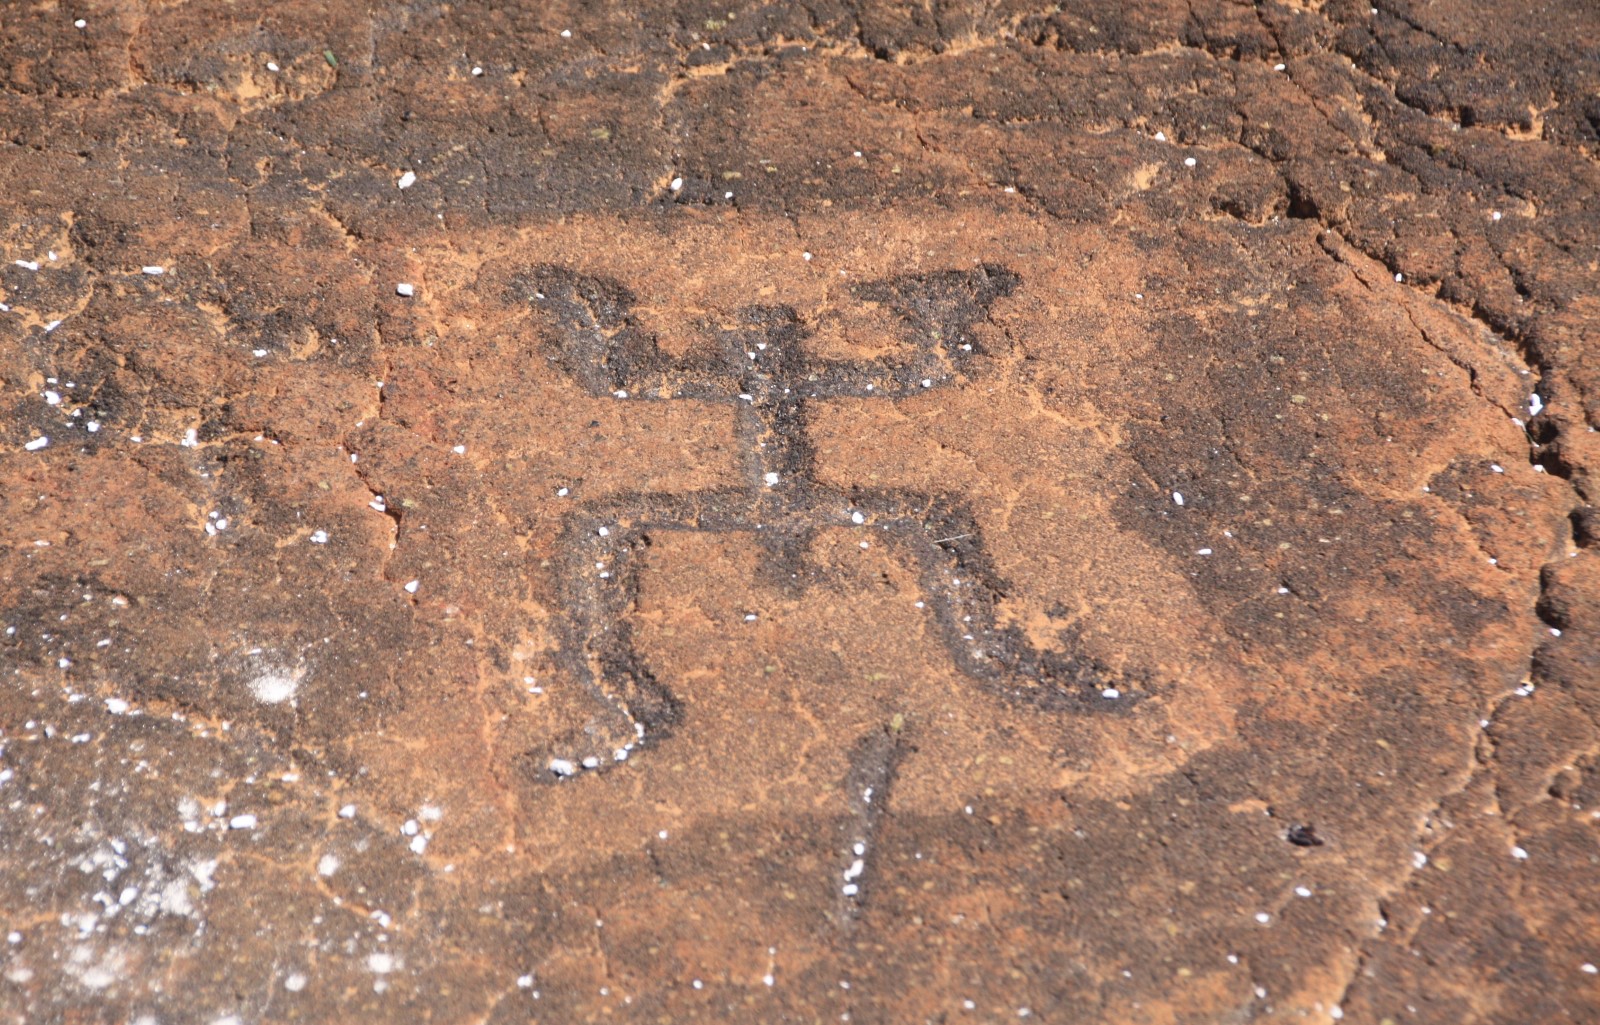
(759, 365)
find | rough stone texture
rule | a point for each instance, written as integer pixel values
(881, 342)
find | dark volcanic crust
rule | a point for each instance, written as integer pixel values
(883, 513)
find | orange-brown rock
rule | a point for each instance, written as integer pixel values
(800, 511)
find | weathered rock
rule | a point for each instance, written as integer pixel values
(859, 512)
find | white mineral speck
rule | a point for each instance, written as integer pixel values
(327, 865)
(242, 822)
(407, 180)
(380, 962)
(1188, 161)
(294, 982)
(319, 537)
(347, 812)
(274, 688)
(405, 288)
(1177, 498)
(153, 270)
(37, 443)
(771, 479)
(411, 587)
(562, 767)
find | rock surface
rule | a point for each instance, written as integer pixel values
(800, 511)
